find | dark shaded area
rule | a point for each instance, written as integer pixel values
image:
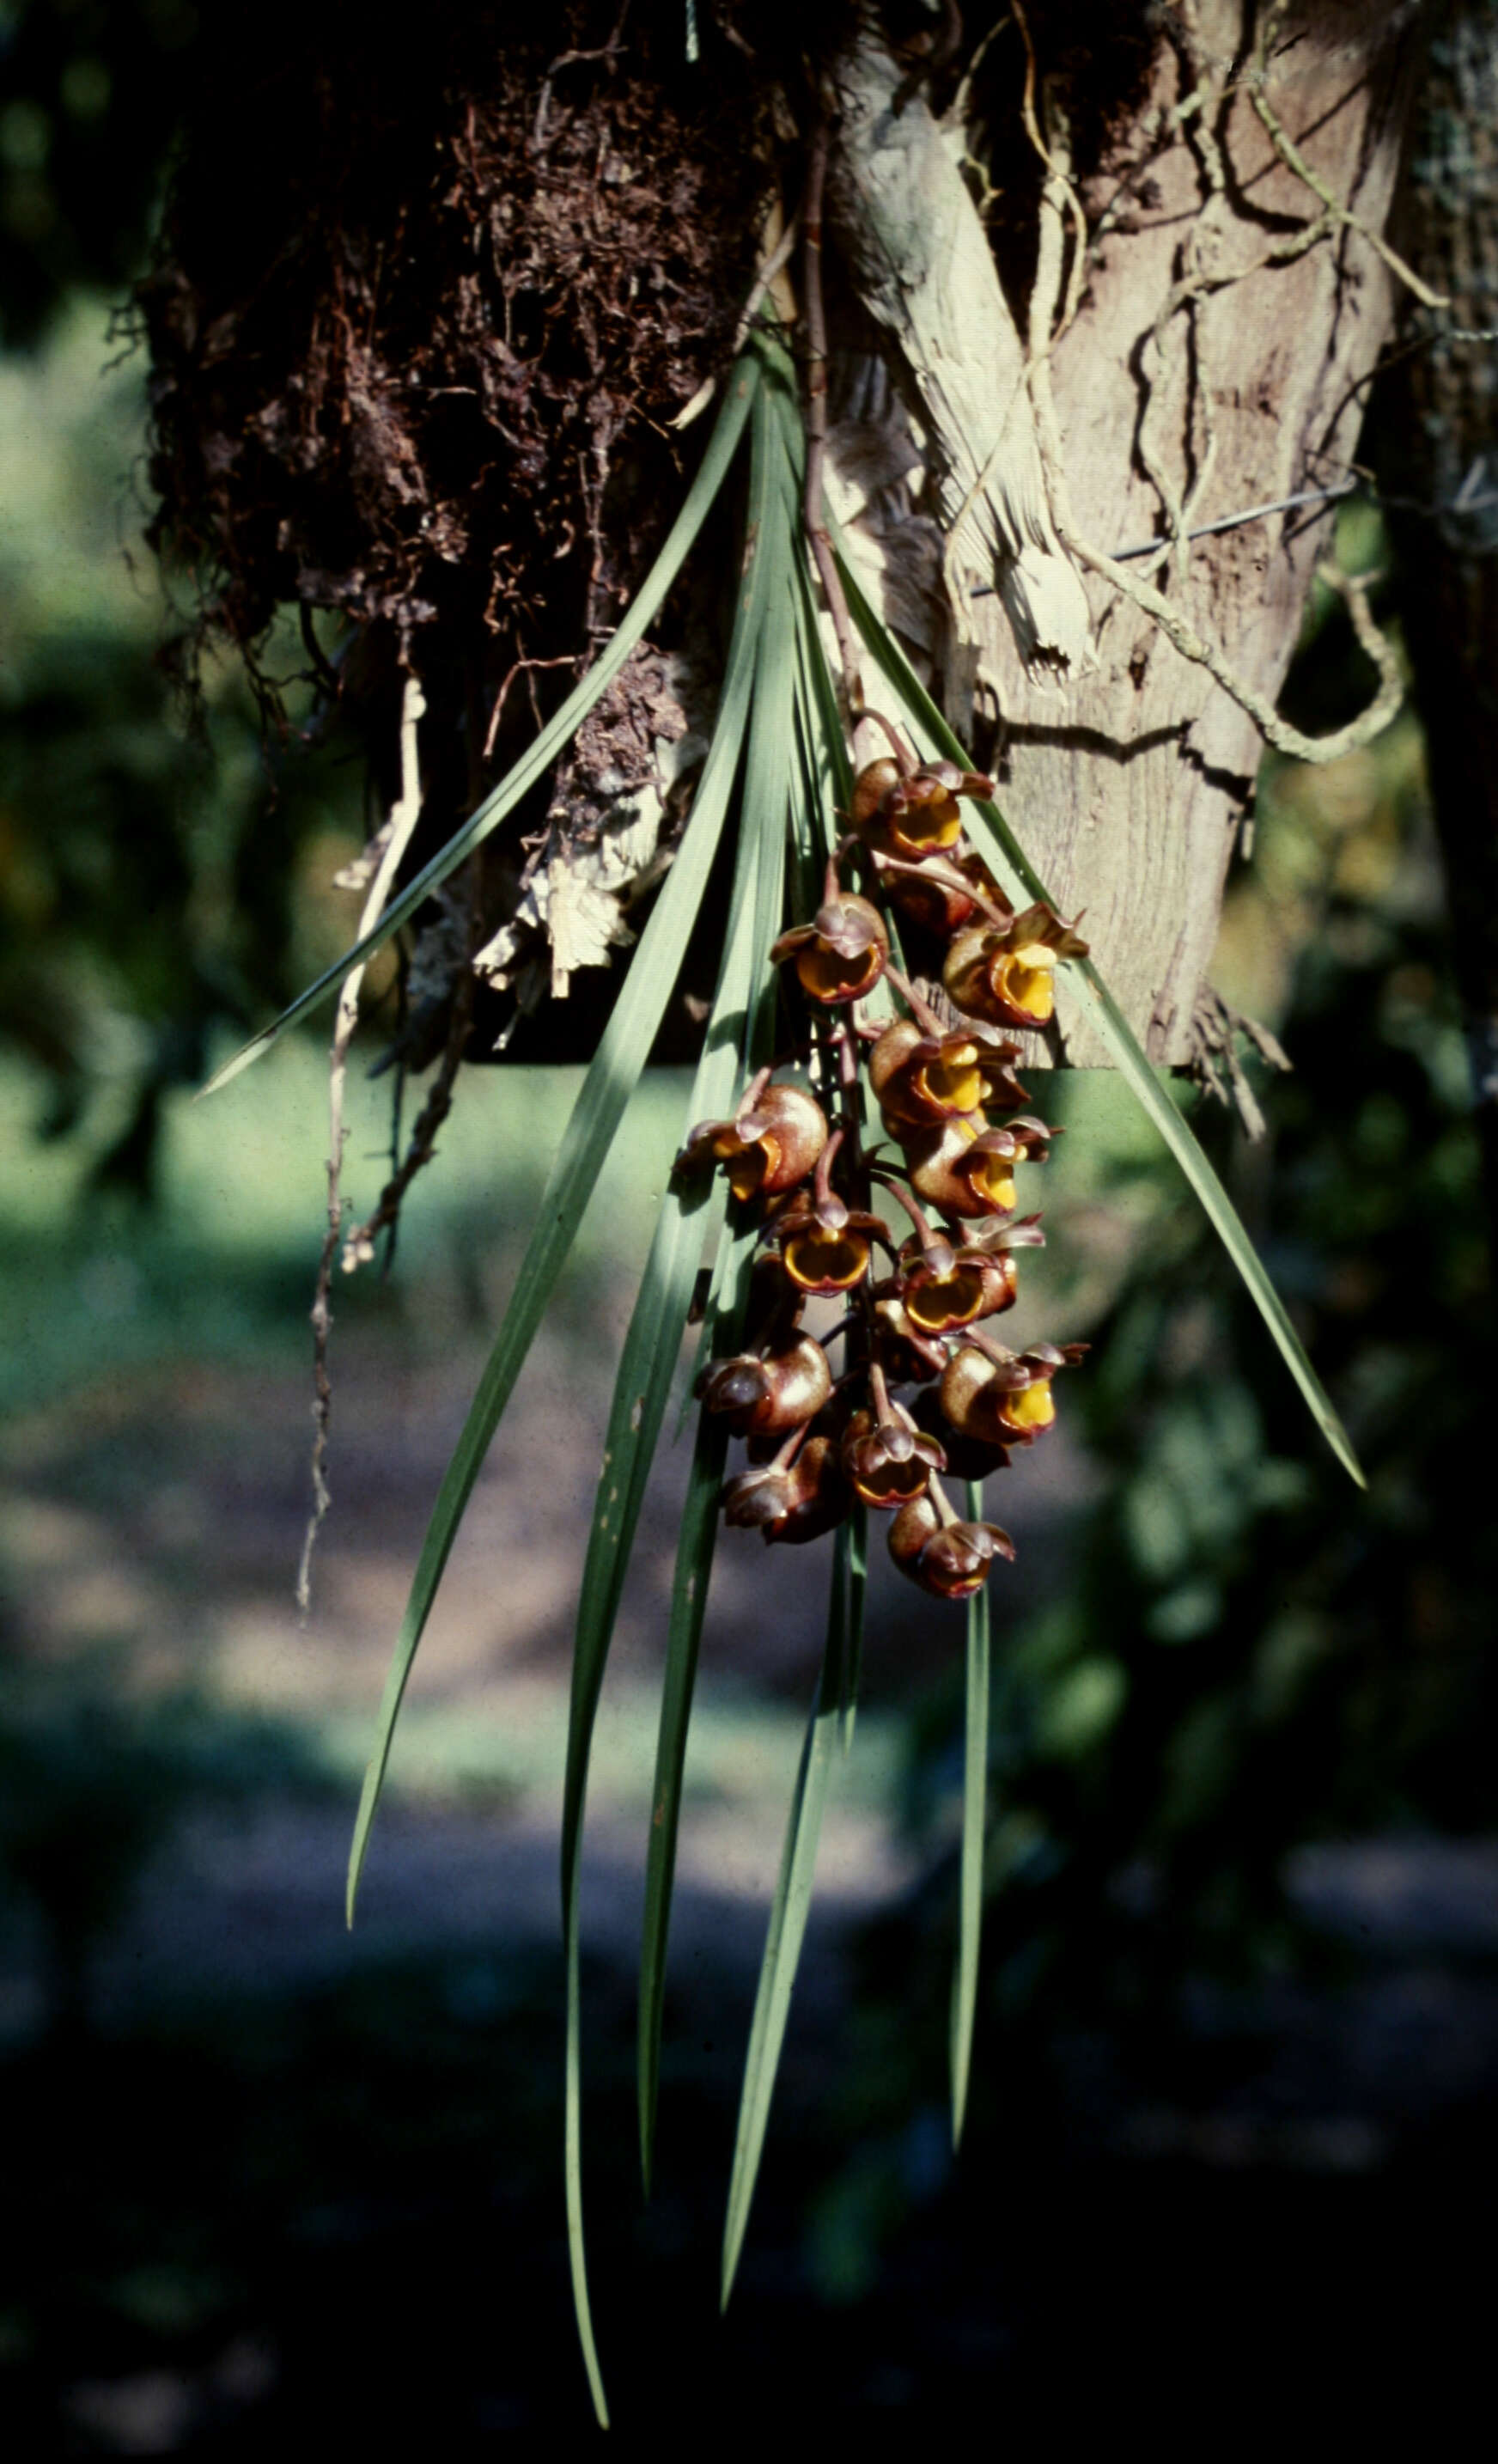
(1231, 2106)
(1434, 442)
(92, 93)
(337, 2212)
(413, 361)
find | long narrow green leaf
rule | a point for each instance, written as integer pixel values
(572, 2167)
(641, 1395)
(999, 846)
(611, 1080)
(696, 1549)
(788, 1912)
(766, 805)
(558, 730)
(857, 1595)
(975, 1820)
(640, 1399)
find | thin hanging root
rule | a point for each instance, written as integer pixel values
(360, 1248)
(392, 843)
(1182, 635)
(1292, 157)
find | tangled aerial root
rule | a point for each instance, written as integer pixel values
(424, 301)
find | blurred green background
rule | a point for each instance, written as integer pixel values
(1239, 2023)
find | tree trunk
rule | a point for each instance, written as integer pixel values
(1195, 371)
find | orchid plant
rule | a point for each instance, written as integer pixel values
(818, 1030)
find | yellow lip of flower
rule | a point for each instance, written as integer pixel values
(927, 826)
(954, 1081)
(1026, 978)
(1033, 1407)
(747, 1168)
(828, 975)
(938, 1302)
(992, 1177)
(826, 1262)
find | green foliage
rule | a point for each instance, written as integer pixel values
(1198, 1492)
(777, 719)
(151, 888)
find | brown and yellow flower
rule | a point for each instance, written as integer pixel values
(770, 1145)
(913, 813)
(824, 1245)
(921, 1079)
(887, 1462)
(841, 954)
(951, 1559)
(1004, 1397)
(764, 1398)
(944, 1289)
(1009, 976)
(964, 1169)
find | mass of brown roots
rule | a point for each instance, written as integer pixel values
(428, 292)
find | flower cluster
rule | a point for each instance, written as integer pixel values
(917, 1310)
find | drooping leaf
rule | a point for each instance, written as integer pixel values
(612, 1079)
(748, 976)
(975, 1816)
(741, 391)
(857, 1597)
(789, 1909)
(1081, 981)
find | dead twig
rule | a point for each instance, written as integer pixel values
(392, 845)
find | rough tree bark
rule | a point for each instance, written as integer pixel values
(1227, 318)
(429, 389)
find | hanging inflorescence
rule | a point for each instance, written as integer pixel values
(817, 1439)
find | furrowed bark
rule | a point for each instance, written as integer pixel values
(1226, 323)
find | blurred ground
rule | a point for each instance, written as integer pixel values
(276, 2177)
(270, 2182)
